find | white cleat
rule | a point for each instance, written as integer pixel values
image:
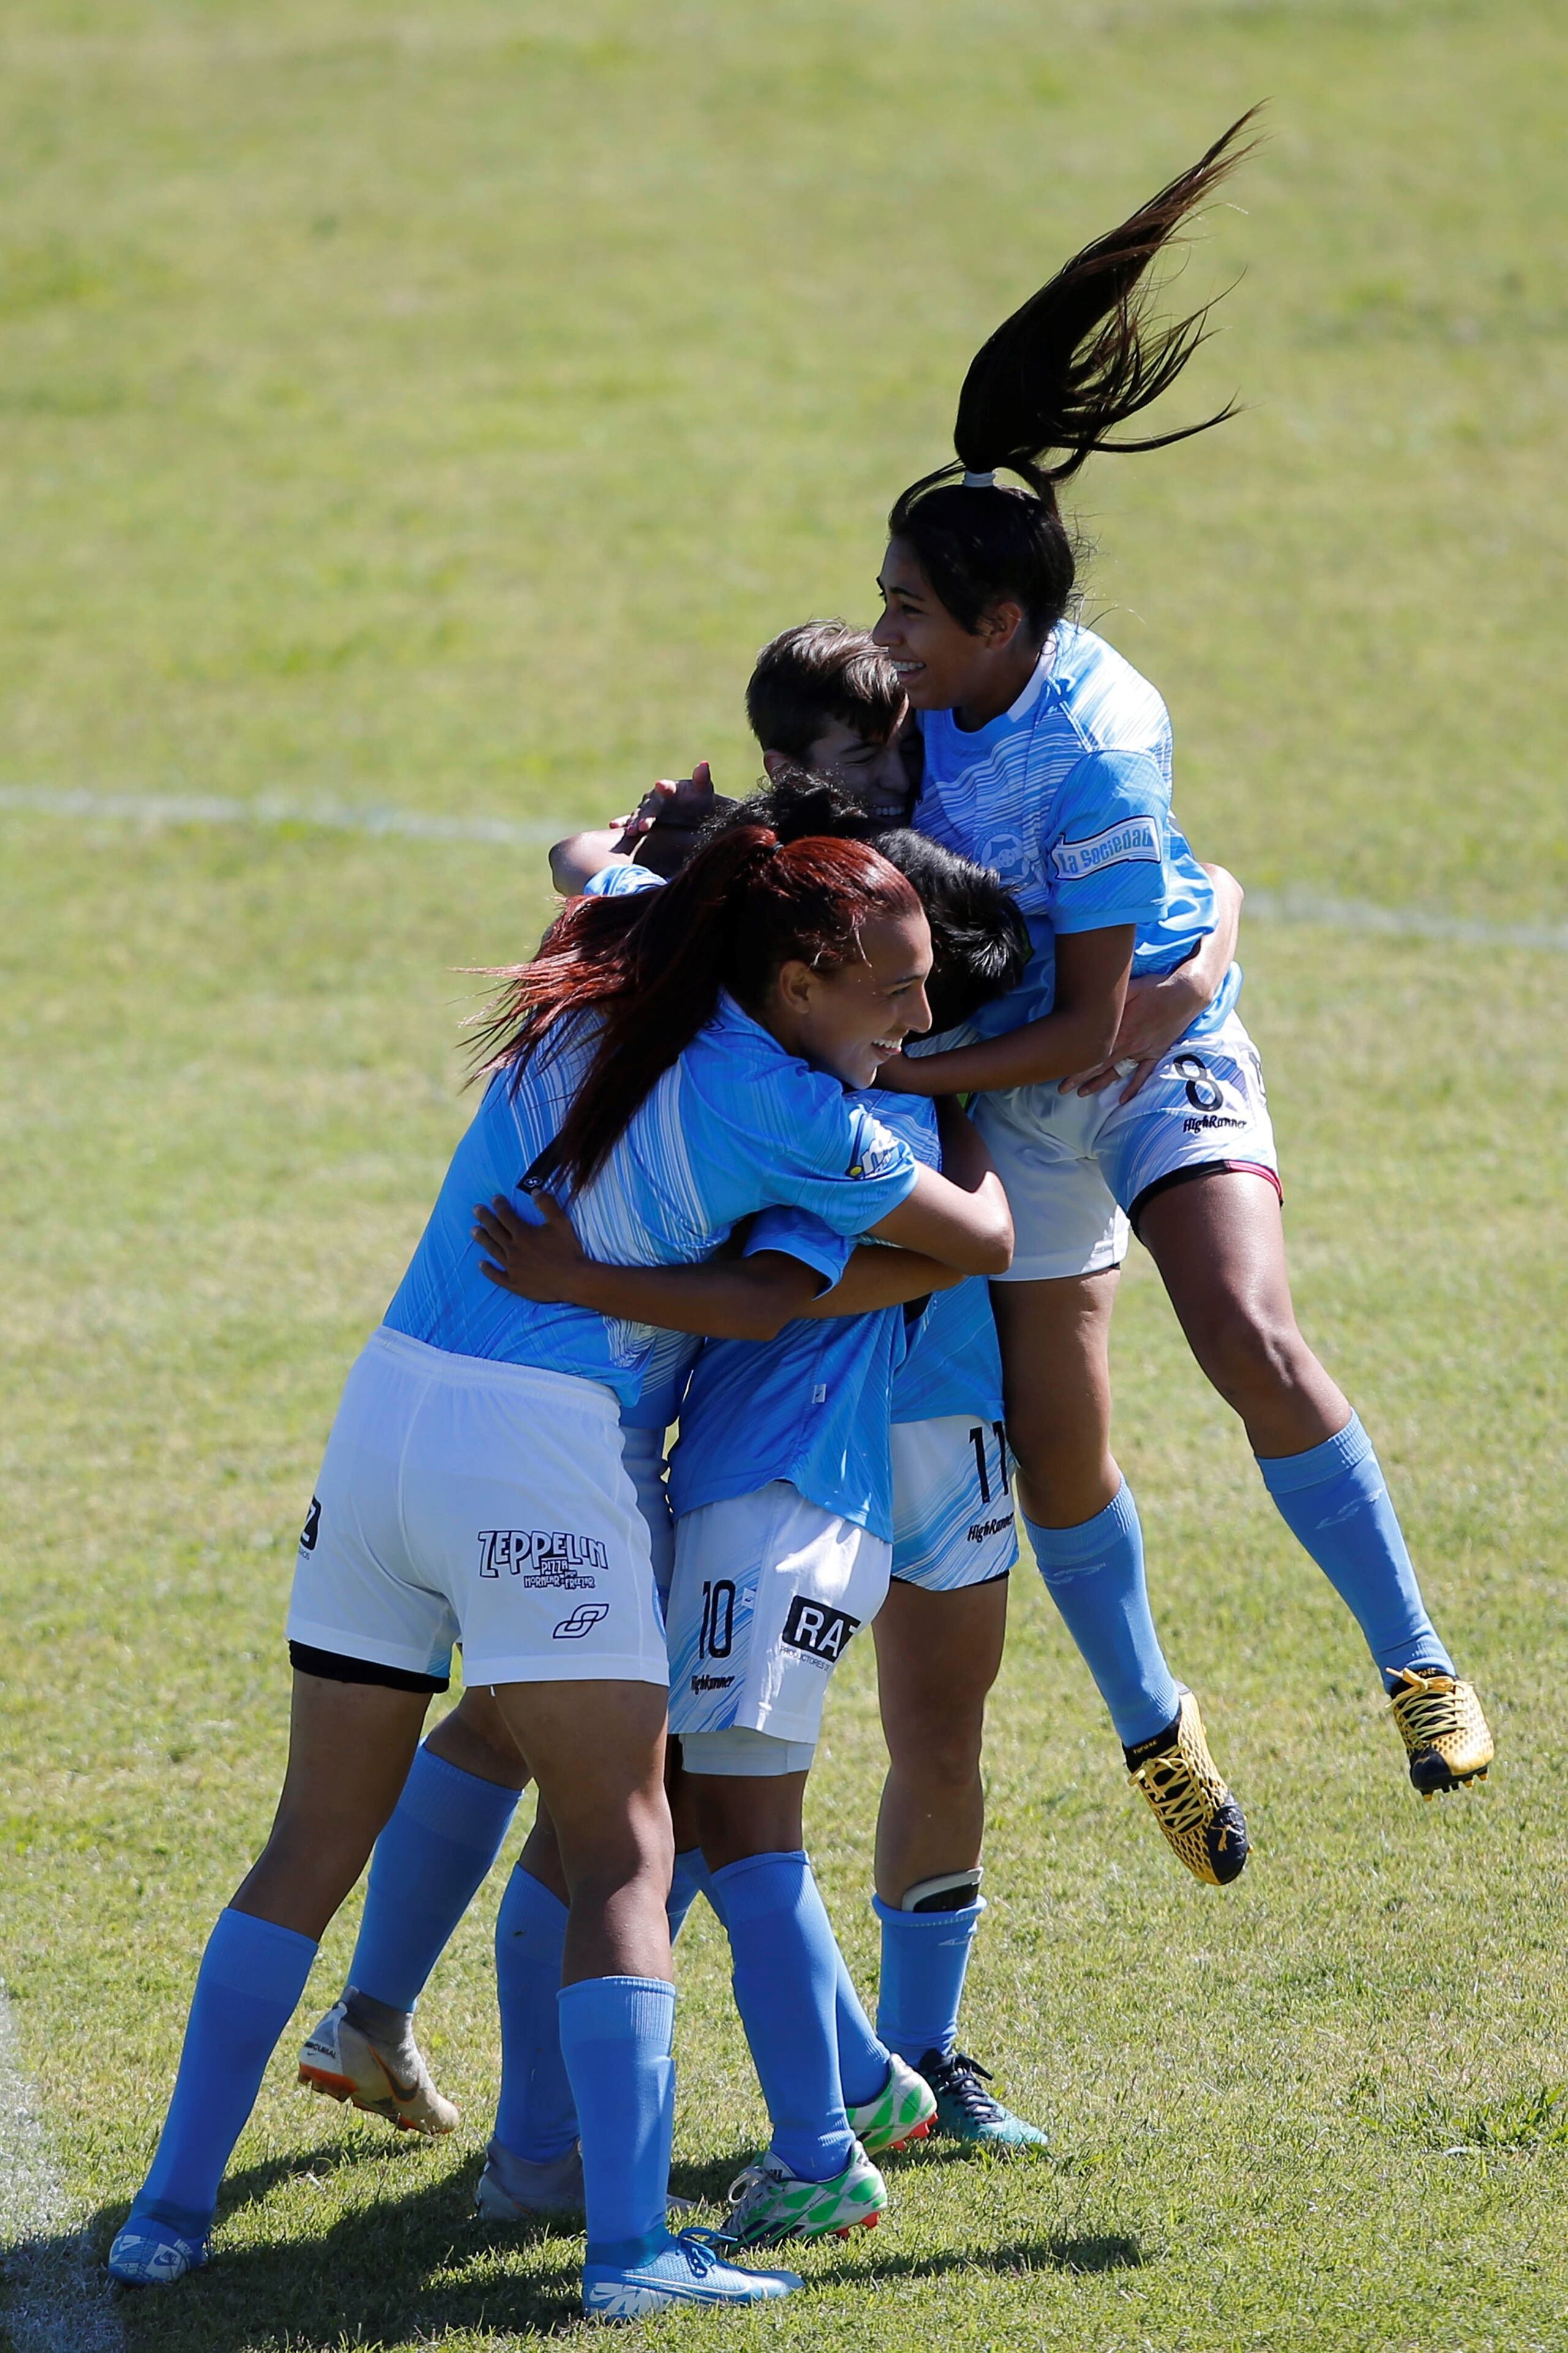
(342, 2063)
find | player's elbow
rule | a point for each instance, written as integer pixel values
(988, 1244)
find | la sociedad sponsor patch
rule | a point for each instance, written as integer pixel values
(1135, 841)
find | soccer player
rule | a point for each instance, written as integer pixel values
(1048, 758)
(673, 1066)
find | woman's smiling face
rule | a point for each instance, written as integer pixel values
(853, 1017)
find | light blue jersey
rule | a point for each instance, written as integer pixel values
(811, 1406)
(1067, 796)
(953, 1363)
(736, 1125)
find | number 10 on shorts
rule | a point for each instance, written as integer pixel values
(716, 1632)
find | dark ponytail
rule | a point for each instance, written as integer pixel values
(652, 965)
(1047, 390)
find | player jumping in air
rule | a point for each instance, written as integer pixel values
(1048, 758)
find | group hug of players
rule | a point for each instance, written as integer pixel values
(722, 1176)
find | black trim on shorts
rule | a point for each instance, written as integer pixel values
(337, 1669)
(914, 1585)
(1200, 1168)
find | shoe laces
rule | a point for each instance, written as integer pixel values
(703, 2249)
(1427, 1707)
(959, 2076)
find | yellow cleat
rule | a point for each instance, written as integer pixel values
(1446, 1739)
(1191, 1804)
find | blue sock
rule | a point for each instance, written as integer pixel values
(443, 1836)
(252, 1974)
(616, 2033)
(864, 2061)
(1334, 1501)
(690, 1881)
(923, 1958)
(535, 2117)
(1095, 1575)
(786, 1979)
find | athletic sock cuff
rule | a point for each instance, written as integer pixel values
(522, 1887)
(1283, 1473)
(892, 1917)
(594, 2008)
(732, 1872)
(258, 1957)
(457, 1805)
(1072, 1548)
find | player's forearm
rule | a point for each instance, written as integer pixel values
(725, 1299)
(576, 861)
(878, 1277)
(1051, 1048)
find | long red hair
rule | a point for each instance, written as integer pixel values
(651, 965)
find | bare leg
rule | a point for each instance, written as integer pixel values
(1055, 1351)
(936, 1658)
(475, 1739)
(1219, 1243)
(350, 1747)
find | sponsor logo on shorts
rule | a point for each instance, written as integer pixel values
(550, 1559)
(312, 1526)
(1134, 843)
(818, 1630)
(984, 1529)
(583, 1620)
(1196, 1126)
(712, 1683)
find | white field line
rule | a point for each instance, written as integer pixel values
(151, 810)
(53, 2302)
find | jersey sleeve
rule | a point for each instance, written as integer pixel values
(832, 1157)
(621, 882)
(798, 1234)
(1106, 855)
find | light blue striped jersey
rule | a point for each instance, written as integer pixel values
(953, 1363)
(1067, 795)
(736, 1125)
(811, 1406)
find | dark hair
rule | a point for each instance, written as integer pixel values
(979, 940)
(1046, 391)
(651, 965)
(819, 670)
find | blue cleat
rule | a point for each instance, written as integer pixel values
(967, 2112)
(688, 2269)
(154, 2255)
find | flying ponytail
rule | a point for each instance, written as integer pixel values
(651, 966)
(1054, 384)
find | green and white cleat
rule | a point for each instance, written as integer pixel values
(769, 2205)
(903, 2110)
(966, 2110)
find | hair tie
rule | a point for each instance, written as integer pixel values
(979, 482)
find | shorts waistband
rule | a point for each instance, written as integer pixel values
(534, 1381)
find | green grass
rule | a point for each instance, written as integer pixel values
(438, 409)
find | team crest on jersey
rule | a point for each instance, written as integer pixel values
(819, 1631)
(1135, 841)
(550, 1559)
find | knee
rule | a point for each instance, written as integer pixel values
(1251, 1354)
(939, 1748)
(475, 1739)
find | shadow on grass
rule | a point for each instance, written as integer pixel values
(410, 2269)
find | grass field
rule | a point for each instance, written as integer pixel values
(436, 409)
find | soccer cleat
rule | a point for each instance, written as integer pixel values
(1445, 1735)
(1191, 1804)
(519, 2189)
(768, 2204)
(153, 2254)
(688, 2269)
(900, 2112)
(966, 2111)
(341, 2062)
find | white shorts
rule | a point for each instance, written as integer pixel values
(768, 1591)
(642, 1452)
(1075, 1166)
(482, 1504)
(953, 1524)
